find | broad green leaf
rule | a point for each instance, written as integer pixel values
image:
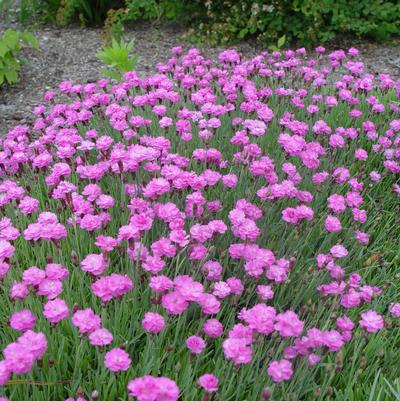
(3, 48)
(30, 39)
(11, 76)
(281, 41)
(243, 32)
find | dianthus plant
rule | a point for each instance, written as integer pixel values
(219, 229)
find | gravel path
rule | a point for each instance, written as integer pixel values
(70, 53)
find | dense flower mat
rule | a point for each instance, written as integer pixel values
(206, 231)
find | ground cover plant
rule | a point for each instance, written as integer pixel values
(218, 230)
(11, 43)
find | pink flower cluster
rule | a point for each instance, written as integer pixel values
(200, 189)
(20, 356)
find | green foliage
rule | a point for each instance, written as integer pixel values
(304, 21)
(159, 10)
(89, 12)
(114, 25)
(117, 58)
(10, 46)
(22, 11)
(226, 21)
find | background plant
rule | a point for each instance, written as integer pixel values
(302, 20)
(11, 43)
(226, 21)
(117, 56)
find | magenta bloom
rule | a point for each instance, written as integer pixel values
(4, 373)
(153, 322)
(288, 324)
(174, 303)
(238, 350)
(371, 321)
(150, 388)
(35, 342)
(23, 320)
(394, 309)
(213, 328)
(55, 310)
(18, 357)
(86, 321)
(100, 337)
(94, 264)
(280, 370)
(117, 359)
(113, 286)
(209, 382)
(33, 276)
(339, 251)
(332, 224)
(195, 344)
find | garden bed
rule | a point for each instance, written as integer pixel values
(70, 53)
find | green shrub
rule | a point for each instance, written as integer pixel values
(177, 10)
(226, 21)
(10, 47)
(302, 20)
(89, 12)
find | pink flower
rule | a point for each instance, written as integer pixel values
(50, 288)
(344, 324)
(18, 357)
(174, 303)
(23, 320)
(394, 309)
(55, 310)
(333, 340)
(229, 180)
(36, 343)
(86, 321)
(28, 205)
(238, 350)
(105, 243)
(100, 337)
(6, 250)
(209, 382)
(113, 286)
(361, 154)
(313, 359)
(153, 322)
(150, 388)
(94, 264)
(361, 237)
(213, 328)
(260, 317)
(117, 359)
(55, 271)
(288, 324)
(375, 176)
(19, 291)
(33, 276)
(336, 203)
(195, 344)
(280, 370)
(339, 251)
(265, 292)
(371, 321)
(4, 373)
(332, 224)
